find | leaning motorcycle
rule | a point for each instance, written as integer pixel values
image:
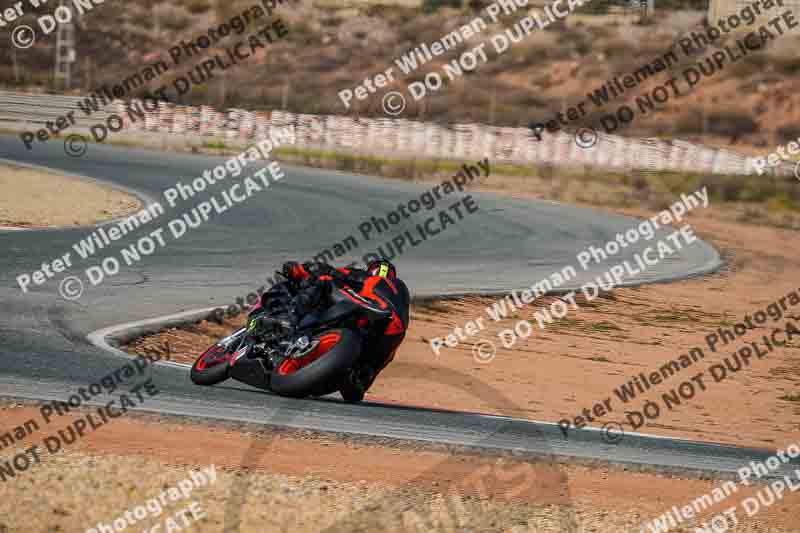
(318, 354)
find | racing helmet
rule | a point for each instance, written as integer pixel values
(382, 268)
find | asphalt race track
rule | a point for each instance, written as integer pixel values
(44, 353)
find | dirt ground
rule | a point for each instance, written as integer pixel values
(32, 198)
(274, 481)
(581, 359)
(289, 481)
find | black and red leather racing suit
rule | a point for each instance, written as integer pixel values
(319, 279)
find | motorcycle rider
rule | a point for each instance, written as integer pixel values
(377, 283)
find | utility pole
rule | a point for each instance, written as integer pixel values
(15, 64)
(285, 95)
(88, 76)
(222, 9)
(66, 54)
(492, 104)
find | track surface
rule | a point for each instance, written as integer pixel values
(508, 244)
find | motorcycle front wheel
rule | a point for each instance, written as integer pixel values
(212, 366)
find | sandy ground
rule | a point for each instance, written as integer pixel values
(275, 481)
(293, 481)
(581, 359)
(32, 198)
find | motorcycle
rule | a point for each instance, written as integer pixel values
(314, 355)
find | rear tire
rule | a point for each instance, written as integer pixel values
(322, 375)
(211, 367)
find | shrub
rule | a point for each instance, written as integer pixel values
(731, 123)
(172, 17)
(595, 7)
(752, 66)
(196, 7)
(682, 5)
(431, 6)
(789, 133)
(788, 67)
(690, 121)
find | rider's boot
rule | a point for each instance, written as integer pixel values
(357, 383)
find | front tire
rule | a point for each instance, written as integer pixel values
(211, 367)
(319, 372)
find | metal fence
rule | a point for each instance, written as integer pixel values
(391, 137)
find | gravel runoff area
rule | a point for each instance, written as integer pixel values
(141, 471)
(75, 492)
(35, 198)
(588, 355)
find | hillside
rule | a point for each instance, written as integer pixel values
(748, 103)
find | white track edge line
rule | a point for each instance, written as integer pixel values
(99, 338)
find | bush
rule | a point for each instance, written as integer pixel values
(690, 122)
(594, 7)
(682, 5)
(752, 66)
(601, 7)
(196, 7)
(788, 67)
(789, 133)
(172, 17)
(431, 6)
(731, 123)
